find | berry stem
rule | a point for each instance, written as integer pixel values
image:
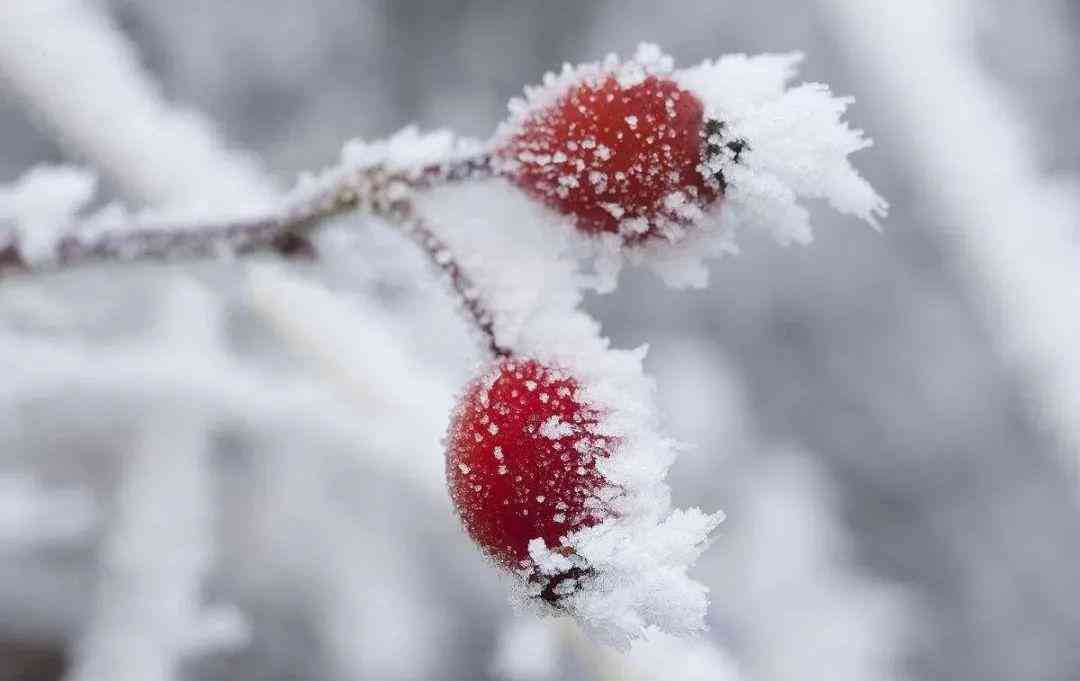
(403, 215)
(373, 190)
(286, 231)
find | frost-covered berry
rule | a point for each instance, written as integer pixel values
(521, 462)
(623, 157)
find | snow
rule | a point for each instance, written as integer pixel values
(554, 428)
(789, 580)
(407, 150)
(797, 149)
(793, 134)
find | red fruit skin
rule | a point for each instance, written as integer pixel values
(512, 482)
(646, 141)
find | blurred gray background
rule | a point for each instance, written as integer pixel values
(866, 352)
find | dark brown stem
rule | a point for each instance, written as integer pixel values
(402, 213)
(375, 190)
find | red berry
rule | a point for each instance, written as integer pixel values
(521, 460)
(607, 154)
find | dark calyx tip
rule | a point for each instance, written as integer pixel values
(715, 146)
(550, 594)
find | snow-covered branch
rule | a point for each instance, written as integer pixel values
(1013, 230)
(32, 205)
(374, 190)
(68, 61)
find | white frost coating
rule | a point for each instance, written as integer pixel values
(554, 428)
(797, 148)
(41, 205)
(648, 60)
(68, 61)
(406, 150)
(512, 250)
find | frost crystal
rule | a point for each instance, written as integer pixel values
(406, 150)
(796, 147)
(554, 429)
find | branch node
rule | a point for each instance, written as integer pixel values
(295, 246)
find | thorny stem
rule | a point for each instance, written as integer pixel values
(375, 190)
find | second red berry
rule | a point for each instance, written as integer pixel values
(521, 463)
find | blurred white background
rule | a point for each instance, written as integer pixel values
(199, 483)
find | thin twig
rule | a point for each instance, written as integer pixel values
(403, 215)
(374, 190)
(371, 189)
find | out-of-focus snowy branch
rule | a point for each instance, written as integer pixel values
(238, 393)
(793, 594)
(399, 409)
(791, 585)
(68, 61)
(1013, 230)
(149, 614)
(161, 543)
(329, 333)
(33, 515)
